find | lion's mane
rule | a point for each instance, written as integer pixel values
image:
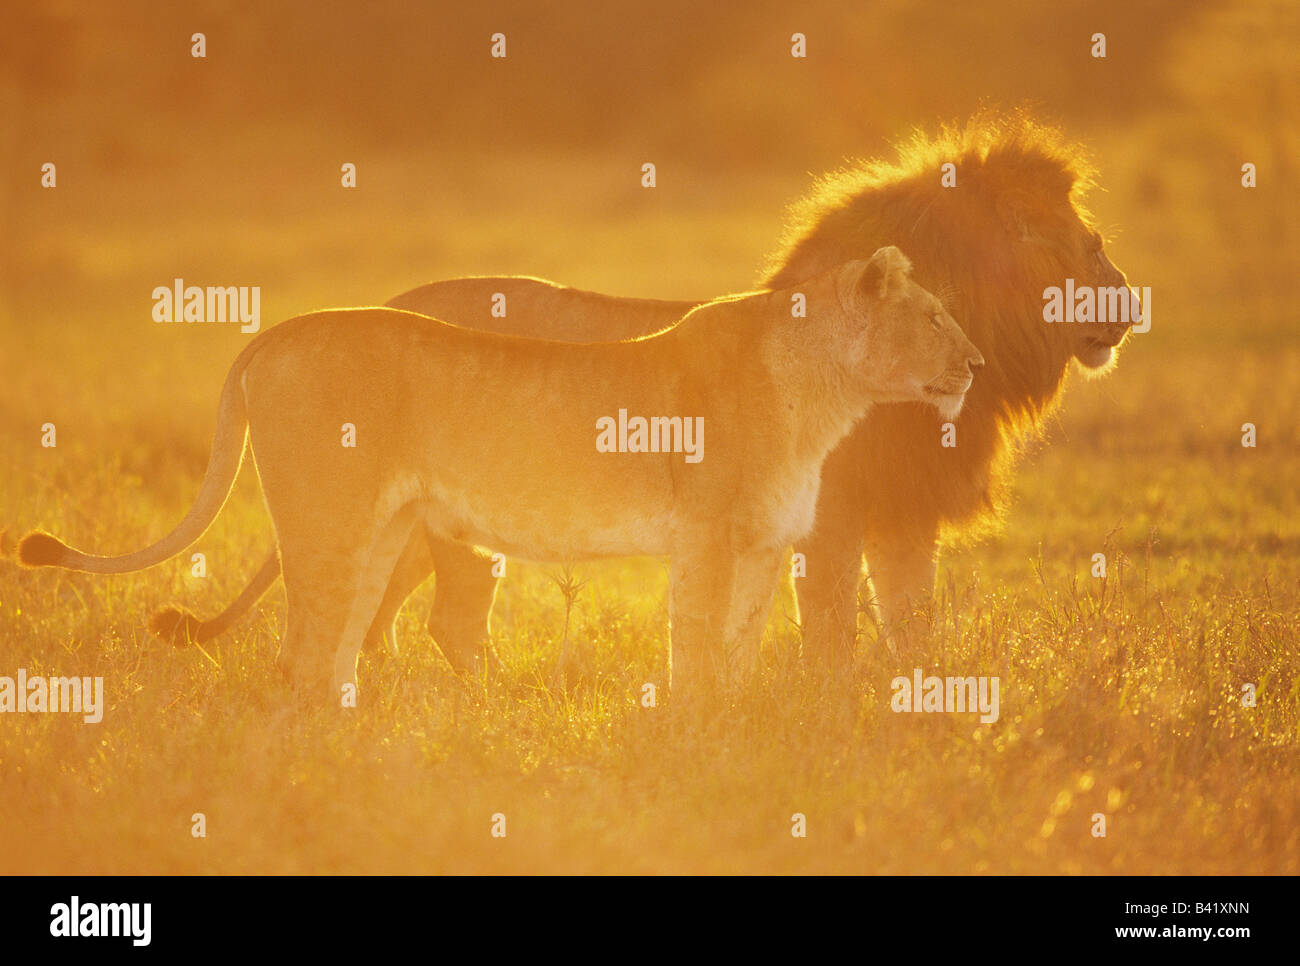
(991, 282)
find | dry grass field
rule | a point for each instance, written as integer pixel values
(1121, 697)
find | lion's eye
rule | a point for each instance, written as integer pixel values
(935, 320)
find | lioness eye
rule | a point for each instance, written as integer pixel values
(934, 320)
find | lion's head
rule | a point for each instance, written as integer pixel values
(1011, 227)
(900, 343)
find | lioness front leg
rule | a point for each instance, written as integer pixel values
(755, 580)
(699, 594)
(901, 565)
(828, 596)
(828, 590)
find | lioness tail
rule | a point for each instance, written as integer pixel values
(39, 549)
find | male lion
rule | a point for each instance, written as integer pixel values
(487, 439)
(1012, 226)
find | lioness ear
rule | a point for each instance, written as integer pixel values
(885, 270)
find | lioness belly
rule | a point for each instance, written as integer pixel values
(537, 530)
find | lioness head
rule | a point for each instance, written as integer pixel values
(902, 345)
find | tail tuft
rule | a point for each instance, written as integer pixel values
(176, 626)
(40, 549)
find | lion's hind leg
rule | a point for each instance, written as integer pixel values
(466, 587)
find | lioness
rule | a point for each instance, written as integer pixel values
(493, 440)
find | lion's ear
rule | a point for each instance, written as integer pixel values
(885, 270)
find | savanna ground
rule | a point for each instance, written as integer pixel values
(1120, 696)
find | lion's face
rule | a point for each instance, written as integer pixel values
(1095, 342)
(904, 347)
(1057, 242)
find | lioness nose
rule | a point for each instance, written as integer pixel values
(976, 361)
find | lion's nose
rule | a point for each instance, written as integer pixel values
(976, 361)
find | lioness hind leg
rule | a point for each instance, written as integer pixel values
(412, 569)
(319, 589)
(372, 581)
(699, 594)
(462, 603)
(333, 584)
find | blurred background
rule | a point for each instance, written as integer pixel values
(226, 170)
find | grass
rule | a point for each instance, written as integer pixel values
(1119, 697)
